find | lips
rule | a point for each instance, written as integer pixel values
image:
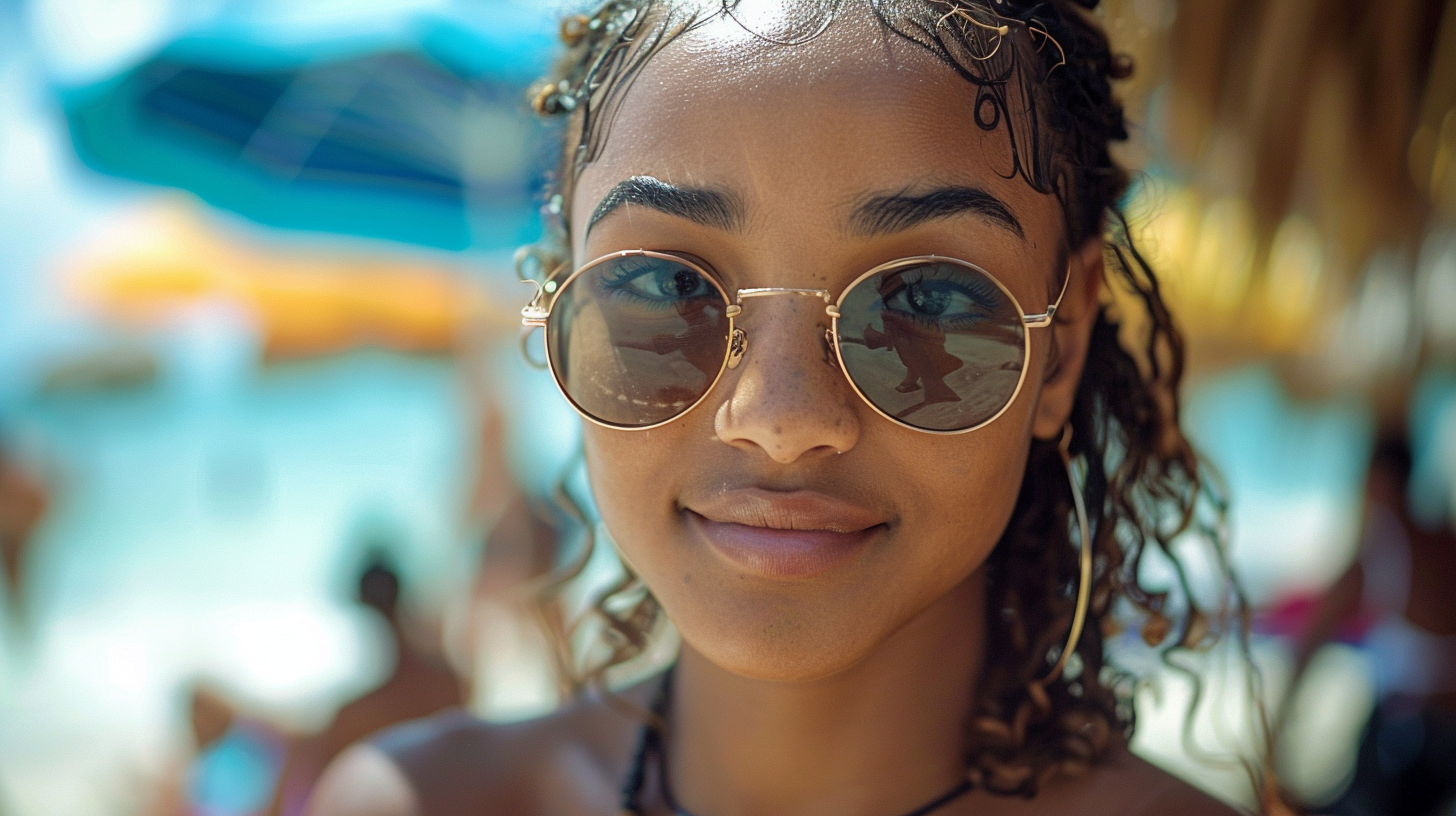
(776, 534)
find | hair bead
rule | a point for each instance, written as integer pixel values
(574, 29)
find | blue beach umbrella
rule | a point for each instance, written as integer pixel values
(418, 134)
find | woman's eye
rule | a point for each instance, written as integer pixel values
(656, 283)
(678, 283)
(938, 301)
(930, 301)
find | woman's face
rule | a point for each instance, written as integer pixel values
(787, 528)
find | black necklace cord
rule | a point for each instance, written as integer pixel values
(636, 775)
(649, 742)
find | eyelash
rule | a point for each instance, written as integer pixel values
(619, 283)
(983, 298)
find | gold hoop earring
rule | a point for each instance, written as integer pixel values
(1084, 545)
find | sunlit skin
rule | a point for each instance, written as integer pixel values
(844, 689)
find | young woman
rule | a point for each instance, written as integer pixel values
(828, 288)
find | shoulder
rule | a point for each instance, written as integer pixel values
(1121, 785)
(454, 763)
(1140, 788)
(363, 781)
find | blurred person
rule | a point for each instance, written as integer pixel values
(422, 683)
(232, 764)
(1397, 602)
(880, 612)
(235, 774)
(494, 630)
(522, 546)
(210, 715)
(513, 660)
(23, 503)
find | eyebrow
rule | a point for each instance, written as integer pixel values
(701, 205)
(885, 214)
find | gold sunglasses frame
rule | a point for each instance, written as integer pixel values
(537, 315)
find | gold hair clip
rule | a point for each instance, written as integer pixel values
(963, 15)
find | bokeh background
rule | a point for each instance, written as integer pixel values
(273, 472)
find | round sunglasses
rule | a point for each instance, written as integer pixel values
(636, 339)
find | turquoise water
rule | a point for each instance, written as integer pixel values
(208, 526)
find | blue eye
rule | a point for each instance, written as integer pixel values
(655, 283)
(953, 301)
(927, 299)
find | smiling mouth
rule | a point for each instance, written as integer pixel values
(783, 535)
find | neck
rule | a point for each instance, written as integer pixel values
(881, 737)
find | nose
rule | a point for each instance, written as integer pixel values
(788, 397)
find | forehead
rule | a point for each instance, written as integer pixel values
(857, 110)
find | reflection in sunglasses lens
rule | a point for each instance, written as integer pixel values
(637, 340)
(937, 346)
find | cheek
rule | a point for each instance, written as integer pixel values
(632, 474)
(961, 492)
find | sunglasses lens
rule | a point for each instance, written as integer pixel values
(636, 340)
(938, 346)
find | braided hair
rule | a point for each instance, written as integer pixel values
(1041, 71)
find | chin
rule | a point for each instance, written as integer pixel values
(777, 642)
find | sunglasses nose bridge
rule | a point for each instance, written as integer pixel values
(771, 291)
(738, 342)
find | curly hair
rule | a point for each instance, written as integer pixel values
(1042, 72)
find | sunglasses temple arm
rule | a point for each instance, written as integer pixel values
(1036, 321)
